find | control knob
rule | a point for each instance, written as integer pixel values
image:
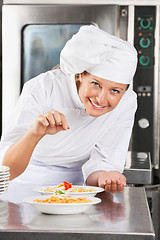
(145, 42)
(144, 60)
(145, 23)
(143, 123)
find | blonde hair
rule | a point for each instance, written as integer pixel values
(77, 76)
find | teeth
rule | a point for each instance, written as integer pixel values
(96, 105)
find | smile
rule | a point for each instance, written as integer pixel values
(95, 106)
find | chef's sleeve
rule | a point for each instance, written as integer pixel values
(29, 105)
(110, 152)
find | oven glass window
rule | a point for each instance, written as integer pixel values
(42, 45)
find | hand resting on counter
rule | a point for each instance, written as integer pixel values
(111, 181)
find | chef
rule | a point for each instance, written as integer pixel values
(74, 123)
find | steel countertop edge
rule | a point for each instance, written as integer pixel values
(123, 215)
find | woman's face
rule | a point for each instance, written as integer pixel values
(98, 95)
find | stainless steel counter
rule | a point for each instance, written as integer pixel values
(120, 216)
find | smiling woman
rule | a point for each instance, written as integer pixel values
(74, 123)
(98, 95)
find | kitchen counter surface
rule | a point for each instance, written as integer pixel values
(120, 216)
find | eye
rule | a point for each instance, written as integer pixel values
(95, 84)
(115, 91)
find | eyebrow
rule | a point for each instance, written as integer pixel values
(101, 83)
(96, 80)
(119, 88)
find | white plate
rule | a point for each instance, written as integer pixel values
(61, 208)
(3, 186)
(4, 178)
(4, 168)
(4, 190)
(94, 191)
(4, 183)
(4, 174)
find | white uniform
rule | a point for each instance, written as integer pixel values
(89, 145)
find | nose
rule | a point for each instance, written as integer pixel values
(102, 98)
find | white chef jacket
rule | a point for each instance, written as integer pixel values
(91, 143)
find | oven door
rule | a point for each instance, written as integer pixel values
(33, 36)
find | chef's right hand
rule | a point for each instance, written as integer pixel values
(50, 123)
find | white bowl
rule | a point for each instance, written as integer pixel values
(61, 208)
(92, 193)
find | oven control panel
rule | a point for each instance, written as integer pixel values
(143, 83)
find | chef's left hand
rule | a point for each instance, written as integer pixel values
(112, 181)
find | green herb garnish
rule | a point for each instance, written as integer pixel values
(59, 191)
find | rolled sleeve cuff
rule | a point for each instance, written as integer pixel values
(94, 165)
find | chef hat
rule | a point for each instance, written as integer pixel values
(99, 53)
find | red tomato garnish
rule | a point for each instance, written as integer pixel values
(67, 185)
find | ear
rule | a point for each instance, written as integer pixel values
(80, 77)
